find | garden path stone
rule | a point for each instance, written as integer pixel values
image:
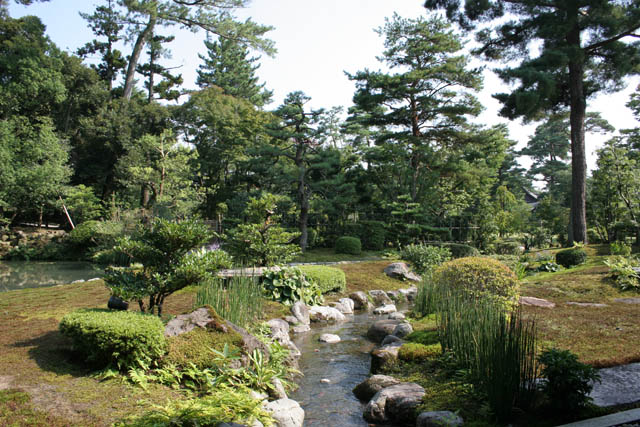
(286, 412)
(439, 419)
(536, 302)
(380, 297)
(319, 313)
(329, 338)
(301, 312)
(385, 309)
(360, 300)
(587, 304)
(620, 385)
(369, 387)
(628, 300)
(401, 271)
(395, 404)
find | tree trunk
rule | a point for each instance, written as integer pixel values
(303, 198)
(578, 155)
(135, 56)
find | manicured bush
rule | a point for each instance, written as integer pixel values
(327, 278)
(416, 352)
(508, 248)
(480, 277)
(121, 339)
(348, 245)
(425, 258)
(568, 382)
(195, 347)
(571, 257)
(288, 285)
(373, 235)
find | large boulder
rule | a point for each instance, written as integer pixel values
(381, 328)
(286, 412)
(396, 404)
(280, 332)
(380, 297)
(360, 300)
(385, 309)
(401, 271)
(402, 330)
(439, 419)
(385, 357)
(301, 312)
(369, 387)
(206, 318)
(319, 313)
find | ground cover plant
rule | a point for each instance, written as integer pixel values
(328, 279)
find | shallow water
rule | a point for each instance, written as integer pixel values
(344, 364)
(35, 274)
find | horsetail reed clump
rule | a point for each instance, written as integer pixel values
(497, 347)
(237, 299)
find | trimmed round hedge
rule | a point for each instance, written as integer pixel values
(348, 245)
(480, 277)
(571, 257)
(327, 278)
(123, 339)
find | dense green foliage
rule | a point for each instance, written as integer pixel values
(567, 382)
(482, 278)
(237, 299)
(571, 257)
(328, 279)
(348, 245)
(288, 285)
(425, 258)
(121, 339)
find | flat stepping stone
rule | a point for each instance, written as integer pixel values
(329, 338)
(628, 300)
(536, 302)
(587, 304)
(620, 386)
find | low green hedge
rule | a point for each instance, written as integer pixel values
(571, 257)
(327, 278)
(458, 250)
(122, 339)
(348, 245)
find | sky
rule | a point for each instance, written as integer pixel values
(317, 42)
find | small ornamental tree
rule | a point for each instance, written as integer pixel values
(164, 258)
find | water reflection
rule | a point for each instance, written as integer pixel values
(34, 274)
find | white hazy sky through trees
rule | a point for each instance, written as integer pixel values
(317, 41)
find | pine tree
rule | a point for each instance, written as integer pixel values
(228, 66)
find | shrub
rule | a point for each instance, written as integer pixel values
(348, 245)
(373, 235)
(480, 277)
(619, 248)
(508, 248)
(288, 285)
(424, 258)
(625, 271)
(195, 347)
(571, 257)
(238, 299)
(568, 382)
(459, 250)
(117, 338)
(548, 266)
(416, 352)
(326, 278)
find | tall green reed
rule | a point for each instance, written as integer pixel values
(237, 299)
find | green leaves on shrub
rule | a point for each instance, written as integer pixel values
(568, 382)
(425, 258)
(348, 245)
(625, 271)
(122, 339)
(288, 285)
(571, 257)
(458, 250)
(327, 279)
(508, 248)
(480, 278)
(619, 248)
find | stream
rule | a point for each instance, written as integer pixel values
(344, 364)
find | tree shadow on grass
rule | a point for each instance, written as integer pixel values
(53, 352)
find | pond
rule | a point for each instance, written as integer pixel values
(35, 274)
(344, 365)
